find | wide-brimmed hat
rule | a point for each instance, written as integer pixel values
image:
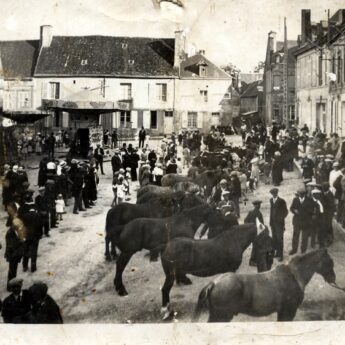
(336, 164)
(257, 202)
(274, 191)
(223, 181)
(15, 282)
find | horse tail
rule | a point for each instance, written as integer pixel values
(203, 301)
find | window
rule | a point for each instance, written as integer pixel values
(276, 112)
(131, 62)
(192, 119)
(215, 114)
(124, 45)
(203, 94)
(54, 90)
(339, 65)
(126, 91)
(24, 99)
(57, 118)
(202, 71)
(153, 118)
(125, 119)
(291, 81)
(83, 62)
(162, 92)
(168, 114)
(291, 112)
(276, 82)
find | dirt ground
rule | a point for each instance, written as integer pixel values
(72, 263)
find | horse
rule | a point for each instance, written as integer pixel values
(188, 187)
(122, 214)
(169, 180)
(154, 234)
(204, 258)
(280, 290)
(167, 198)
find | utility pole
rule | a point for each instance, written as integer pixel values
(285, 79)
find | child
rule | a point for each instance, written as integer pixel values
(120, 190)
(59, 207)
(127, 181)
(115, 178)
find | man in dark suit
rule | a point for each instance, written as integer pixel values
(77, 189)
(278, 213)
(116, 161)
(17, 304)
(142, 137)
(98, 154)
(41, 203)
(302, 208)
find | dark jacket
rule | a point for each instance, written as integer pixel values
(14, 246)
(42, 205)
(142, 134)
(278, 212)
(77, 184)
(308, 168)
(46, 312)
(14, 309)
(116, 163)
(252, 215)
(98, 154)
(305, 211)
(32, 220)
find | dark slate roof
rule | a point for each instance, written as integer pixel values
(18, 58)
(189, 68)
(105, 55)
(252, 89)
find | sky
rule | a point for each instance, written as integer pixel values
(230, 31)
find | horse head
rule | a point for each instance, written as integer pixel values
(326, 266)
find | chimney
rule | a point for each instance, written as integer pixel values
(202, 52)
(306, 26)
(179, 47)
(46, 36)
(272, 40)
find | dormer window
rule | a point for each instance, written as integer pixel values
(202, 71)
(83, 62)
(131, 62)
(124, 45)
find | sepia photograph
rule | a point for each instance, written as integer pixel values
(172, 163)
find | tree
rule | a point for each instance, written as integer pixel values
(259, 67)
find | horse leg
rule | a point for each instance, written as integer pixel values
(107, 254)
(154, 255)
(121, 264)
(113, 250)
(168, 284)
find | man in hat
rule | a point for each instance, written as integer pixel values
(116, 161)
(318, 220)
(41, 203)
(278, 213)
(329, 209)
(307, 166)
(98, 154)
(335, 177)
(77, 190)
(255, 213)
(17, 304)
(142, 137)
(302, 208)
(277, 169)
(226, 201)
(44, 309)
(171, 167)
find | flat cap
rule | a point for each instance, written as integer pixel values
(300, 190)
(330, 156)
(274, 190)
(223, 181)
(316, 191)
(336, 164)
(257, 202)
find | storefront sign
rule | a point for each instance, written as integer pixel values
(96, 136)
(124, 105)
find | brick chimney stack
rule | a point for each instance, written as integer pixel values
(179, 49)
(306, 29)
(46, 36)
(272, 40)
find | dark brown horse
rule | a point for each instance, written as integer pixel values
(154, 234)
(204, 258)
(123, 213)
(280, 290)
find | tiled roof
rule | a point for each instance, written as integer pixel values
(190, 68)
(18, 58)
(108, 56)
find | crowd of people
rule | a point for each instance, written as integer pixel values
(263, 157)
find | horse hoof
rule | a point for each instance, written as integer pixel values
(122, 292)
(166, 313)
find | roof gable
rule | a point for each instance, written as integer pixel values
(252, 89)
(105, 55)
(189, 68)
(18, 58)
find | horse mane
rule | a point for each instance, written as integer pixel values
(303, 257)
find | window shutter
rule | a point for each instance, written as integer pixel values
(200, 120)
(134, 119)
(44, 90)
(184, 118)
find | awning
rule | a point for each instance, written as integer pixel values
(250, 113)
(23, 116)
(86, 105)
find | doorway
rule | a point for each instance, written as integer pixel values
(82, 142)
